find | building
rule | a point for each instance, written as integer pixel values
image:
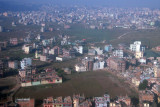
(156, 89)
(136, 46)
(44, 58)
(27, 48)
(58, 102)
(13, 41)
(138, 55)
(26, 62)
(80, 68)
(102, 101)
(108, 48)
(25, 102)
(98, 51)
(31, 78)
(1, 29)
(13, 64)
(79, 49)
(3, 44)
(98, 65)
(157, 71)
(136, 81)
(118, 53)
(116, 64)
(146, 96)
(158, 48)
(91, 52)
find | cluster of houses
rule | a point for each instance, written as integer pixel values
(77, 100)
(92, 18)
(128, 63)
(49, 50)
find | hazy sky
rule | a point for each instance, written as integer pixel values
(111, 3)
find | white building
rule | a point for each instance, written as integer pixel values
(80, 68)
(99, 51)
(98, 65)
(79, 49)
(26, 62)
(136, 47)
(102, 101)
(118, 53)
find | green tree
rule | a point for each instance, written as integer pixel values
(143, 85)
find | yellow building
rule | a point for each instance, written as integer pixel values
(138, 55)
(135, 81)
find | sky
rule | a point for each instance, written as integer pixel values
(109, 3)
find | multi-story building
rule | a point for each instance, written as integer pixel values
(136, 46)
(108, 48)
(116, 64)
(25, 62)
(118, 53)
(80, 68)
(157, 71)
(27, 48)
(146, 96)
(102, 101)
(13, 41)
(79, 49)
(13, 64)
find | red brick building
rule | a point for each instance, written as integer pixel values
(116, 63)
(25, 102)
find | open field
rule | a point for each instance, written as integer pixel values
(89, 83)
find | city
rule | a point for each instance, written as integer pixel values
(80, 56)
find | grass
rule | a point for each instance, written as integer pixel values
(90, 84)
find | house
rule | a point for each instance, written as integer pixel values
(91, 52)
(102, 101)
(13, 64)
(108, 48)
(44, 58)
(158, 48)
(79, 49)
(98, 51)
(156, 89)
(118, 53)
(125, 99)
(3, 44)
(67, 70)
(25, 102)
(26, 62)
(116, 63)
(13, 41)
(138, 55)
(27, 48)
(57, 102)
(136, 46)
(80, 68)
(37, 54)
(146, 95)
(136, 81)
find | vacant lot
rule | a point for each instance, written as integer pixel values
(89, 83)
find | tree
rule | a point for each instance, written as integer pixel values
(157, 23)
(143, 85)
